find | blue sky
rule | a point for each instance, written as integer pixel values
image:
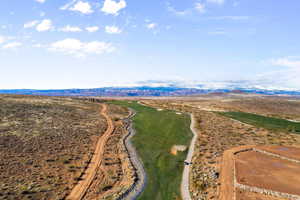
(92, 43)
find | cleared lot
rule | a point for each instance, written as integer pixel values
(252, 172)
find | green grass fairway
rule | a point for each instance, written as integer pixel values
(157, 132)
(265, 122)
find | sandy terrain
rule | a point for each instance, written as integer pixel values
(246, 195)
(290, 152)
(263, 171)
(246, 169)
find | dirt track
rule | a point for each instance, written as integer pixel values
(227, 190)
(80, 189)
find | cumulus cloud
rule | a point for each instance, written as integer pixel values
(69, 28)
(219, 2)
(41, 1)
(31, 24)
(45, 25)
(92, 29)
(12, 45)
(82, 7)
(200, 7)
(151, 26)
(78, 48)
(112, 7)
(113, 30)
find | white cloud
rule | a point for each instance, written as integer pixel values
(2, 39)
(112, 30)
(68, 5)
(230, 18)
(176, 12)
(290, 62)
(151, 26)
(12, 45)
(82, 7)
(217, 32)
(200, 7)
(112, 7)
(37, 45)
(286, 77)
(92, 29)
(219, 2)
(41, 1)
(76, 47)
(45, 25)
(69, 28)
(31, 24)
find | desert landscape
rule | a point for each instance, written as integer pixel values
(149, 100)
(112, 148)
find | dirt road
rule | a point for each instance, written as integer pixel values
(80, 189)
(185, 187)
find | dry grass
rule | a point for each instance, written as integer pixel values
(45, 144)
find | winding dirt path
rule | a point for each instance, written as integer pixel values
(80, 189)
(185, 183)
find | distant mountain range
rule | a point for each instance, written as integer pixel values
(147, 91)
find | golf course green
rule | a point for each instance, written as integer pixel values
(156, 133)
(271, 123)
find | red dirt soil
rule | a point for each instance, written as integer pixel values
(263, 171)
(245, 195)
(259, 170)
(289, 152)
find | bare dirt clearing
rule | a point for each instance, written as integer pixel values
(246, 195)
(249, 169)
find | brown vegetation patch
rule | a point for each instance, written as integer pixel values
(45, 144)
